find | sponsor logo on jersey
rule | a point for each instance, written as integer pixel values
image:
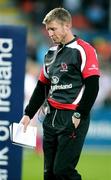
(93, 67)
(60, 87)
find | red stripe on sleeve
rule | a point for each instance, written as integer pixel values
(42, 78)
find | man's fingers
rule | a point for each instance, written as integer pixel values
(25, 125)
(25, 121)
(25, 128)
(75, 122)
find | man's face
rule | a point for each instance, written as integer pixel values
(57, 31)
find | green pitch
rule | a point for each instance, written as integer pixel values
(93, 165)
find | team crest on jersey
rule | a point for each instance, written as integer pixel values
(64, 67)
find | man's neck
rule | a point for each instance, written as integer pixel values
(68, 38)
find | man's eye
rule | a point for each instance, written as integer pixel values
(52, 29)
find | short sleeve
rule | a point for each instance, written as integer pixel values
(43, 78)
(91, 66)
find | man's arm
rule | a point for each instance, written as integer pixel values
(36, 100)
(88, 98)
(89, 95)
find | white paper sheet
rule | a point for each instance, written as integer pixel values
(19, 137)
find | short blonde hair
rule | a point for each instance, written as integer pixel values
(60, 14)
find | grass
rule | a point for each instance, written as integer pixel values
(93, 165)
(32, 165)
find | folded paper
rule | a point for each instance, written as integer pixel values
(21, 138)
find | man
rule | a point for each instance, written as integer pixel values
(70, 79)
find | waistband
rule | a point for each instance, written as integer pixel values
(62, 106)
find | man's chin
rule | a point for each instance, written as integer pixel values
(55, 42)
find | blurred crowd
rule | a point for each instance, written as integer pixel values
(89, 14)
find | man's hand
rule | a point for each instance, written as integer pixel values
(75, 121)
(25, 121)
